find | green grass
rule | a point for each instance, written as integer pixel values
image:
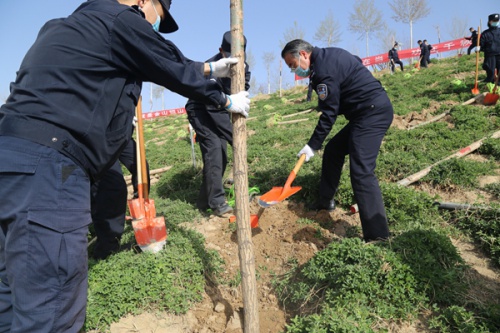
(348, 286)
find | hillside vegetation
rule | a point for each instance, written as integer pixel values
(417, 278)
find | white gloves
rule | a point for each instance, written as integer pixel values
(308, 151)
(239, 103)
(134, 121)
(478, 48)
(221, 68)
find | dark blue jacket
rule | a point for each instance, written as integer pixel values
(490, 41)
(344, 86)
(79, 83)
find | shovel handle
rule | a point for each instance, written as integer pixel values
(295, 170)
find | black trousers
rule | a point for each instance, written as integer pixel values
(360, 139)
(109, 202)
(214, 131)
(393, 64)
(490, 63)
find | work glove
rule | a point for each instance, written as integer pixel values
(221, 68)
(239, 103)
(134, 121)
(308, 151)
(478, 48)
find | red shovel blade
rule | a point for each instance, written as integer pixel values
(490, 99)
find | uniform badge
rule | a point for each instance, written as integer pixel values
(322, 91)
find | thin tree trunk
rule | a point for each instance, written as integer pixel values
(244, 232)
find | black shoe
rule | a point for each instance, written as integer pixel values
(223, 210)
(323, 204)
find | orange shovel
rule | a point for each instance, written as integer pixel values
(277, 194)
(150, 231)
(492, 98)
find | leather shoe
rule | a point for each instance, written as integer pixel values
(223, 210)
(323, 204)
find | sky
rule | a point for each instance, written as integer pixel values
(202, 24)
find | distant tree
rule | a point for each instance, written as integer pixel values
(268, 58)
(250, 59)
(159, 91)
(328, 32)
(365, 20)
(409, 11)
(458, 29)
(292, 33)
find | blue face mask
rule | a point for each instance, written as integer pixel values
(302, 72)
(156, 25)
(494, 24)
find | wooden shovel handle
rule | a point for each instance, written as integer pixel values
(141, 152)
(295, 170)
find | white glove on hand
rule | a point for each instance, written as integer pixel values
(221, 68)
(239, 103)
(478, 48)
(308, 151)
(134, 121)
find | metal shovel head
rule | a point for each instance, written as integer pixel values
(475, 91)
(490, 99)
(277, 194)
(150, 233)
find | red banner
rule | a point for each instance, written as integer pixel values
(163, 113)
(415, 52)
(412, 53)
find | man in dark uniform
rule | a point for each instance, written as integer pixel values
(67, 119)
(394, 58)
(473, 40)
(345, 86)
(424, 51)
(429, 49)
(214, 131)
(490, 45)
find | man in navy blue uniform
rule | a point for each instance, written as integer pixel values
(214, 131)
(345, 86)
(490, 45)
(394, 58)
(424, 53)
(473, 39)
(66, 121)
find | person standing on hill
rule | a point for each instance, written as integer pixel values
(345, 86)
(214, 131)
(429, 48)
(473, 39)
(394, 58)
(423, 54)
(490, 45)
(68, 117)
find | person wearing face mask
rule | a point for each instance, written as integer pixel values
(346, 87)
(214, 131)
(489, 43)
(68, 117)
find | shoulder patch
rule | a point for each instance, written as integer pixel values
(322, 91)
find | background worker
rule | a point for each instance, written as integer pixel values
(66, 121)
(109, 202)
(473, 39)
(394, 58)
(214, 131)
(490, 45)
(423, 54)
(345, 86)
(429, 48)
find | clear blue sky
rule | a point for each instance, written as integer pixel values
(202, 24)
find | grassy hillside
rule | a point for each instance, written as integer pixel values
(348, 286)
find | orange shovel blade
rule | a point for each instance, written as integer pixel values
(150, 234)
(277, 194)
(136, 208)
(490, 99)
(475, 91)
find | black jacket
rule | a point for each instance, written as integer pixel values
(393, 54)
(490, 41)
(79, 83)
(344, 86)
